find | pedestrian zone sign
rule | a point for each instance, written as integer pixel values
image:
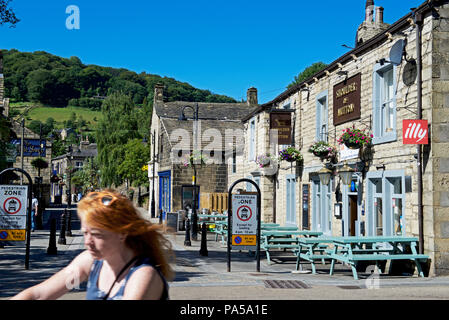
(13, 212)
(244, 220)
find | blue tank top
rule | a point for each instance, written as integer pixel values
(94, 293)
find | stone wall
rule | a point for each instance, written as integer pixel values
(440, 143)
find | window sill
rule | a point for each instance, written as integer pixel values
(384, 139)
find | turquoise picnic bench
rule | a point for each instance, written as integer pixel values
(283, 238)
(312, 249)
(351, 250)
(218, 222)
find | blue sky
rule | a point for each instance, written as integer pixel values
(223, 46)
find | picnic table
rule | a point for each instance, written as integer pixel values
(283, 238)
(352, 249)
(312, 249)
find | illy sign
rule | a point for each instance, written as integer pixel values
(415, 132)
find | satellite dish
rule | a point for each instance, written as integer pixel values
(396, 52)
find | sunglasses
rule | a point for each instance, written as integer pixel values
(105, 200)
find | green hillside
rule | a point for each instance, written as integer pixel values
(41, 77)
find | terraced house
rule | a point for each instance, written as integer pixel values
(397, 183)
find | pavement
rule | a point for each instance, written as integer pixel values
(207, 278)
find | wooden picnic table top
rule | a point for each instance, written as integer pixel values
(373, 239)
(205, 216)
(316, 240)
(269, 233)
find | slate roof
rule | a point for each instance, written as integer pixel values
(207, 110)
(215, 132)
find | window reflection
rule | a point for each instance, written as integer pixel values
(378, 216)
(398, 216)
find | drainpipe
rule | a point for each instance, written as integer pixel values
(419, 23)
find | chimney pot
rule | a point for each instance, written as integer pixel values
(369, 11)
(380, 15)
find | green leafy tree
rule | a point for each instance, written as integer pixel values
(136, 155)
(117, 126)
(7, 14)
(88, 178)
(308, 72)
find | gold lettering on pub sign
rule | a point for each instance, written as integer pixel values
(347, 100)
(347, 89)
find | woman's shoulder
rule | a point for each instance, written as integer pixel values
(83, 262)
(145, 282)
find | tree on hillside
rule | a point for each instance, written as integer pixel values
(40, 86)
(7, 14)
(308, 72)
(117, 126)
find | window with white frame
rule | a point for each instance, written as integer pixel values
(322, 117)
(252, 139)
(384, 103)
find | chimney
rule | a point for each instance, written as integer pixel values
(379, 15)
(369, 11)
(158, 92)
(251, 96)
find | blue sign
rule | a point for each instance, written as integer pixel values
(31, 147)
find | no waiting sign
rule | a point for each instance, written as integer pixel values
(13, 212)
(244, 220)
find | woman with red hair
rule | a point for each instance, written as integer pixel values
(126, 256)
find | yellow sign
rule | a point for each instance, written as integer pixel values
(244, 240)
(12, 235)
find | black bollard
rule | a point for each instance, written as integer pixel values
(194, 226)
(187, 239)
(61, 239)
(160, 216)
(52, 249)
(68, 232)
(203, 250)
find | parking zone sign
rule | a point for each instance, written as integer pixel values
(13, 212)
(244, 220)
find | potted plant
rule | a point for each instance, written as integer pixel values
(264, 160)
(195, 158)
(290, 154)
(323, 150)
(355, 138)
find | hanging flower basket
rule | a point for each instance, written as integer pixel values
(355, 138)
(264, 160)
(290, 154)
(195, 158)
(39, 163)
(323, 150)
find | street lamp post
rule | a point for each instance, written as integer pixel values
(182, 117)
(153, 205)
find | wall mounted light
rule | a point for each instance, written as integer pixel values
(308, 92)
(380, 167)
(345, 174)
(325, 175)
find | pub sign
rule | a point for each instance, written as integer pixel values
(282, 122)
(347, 100)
